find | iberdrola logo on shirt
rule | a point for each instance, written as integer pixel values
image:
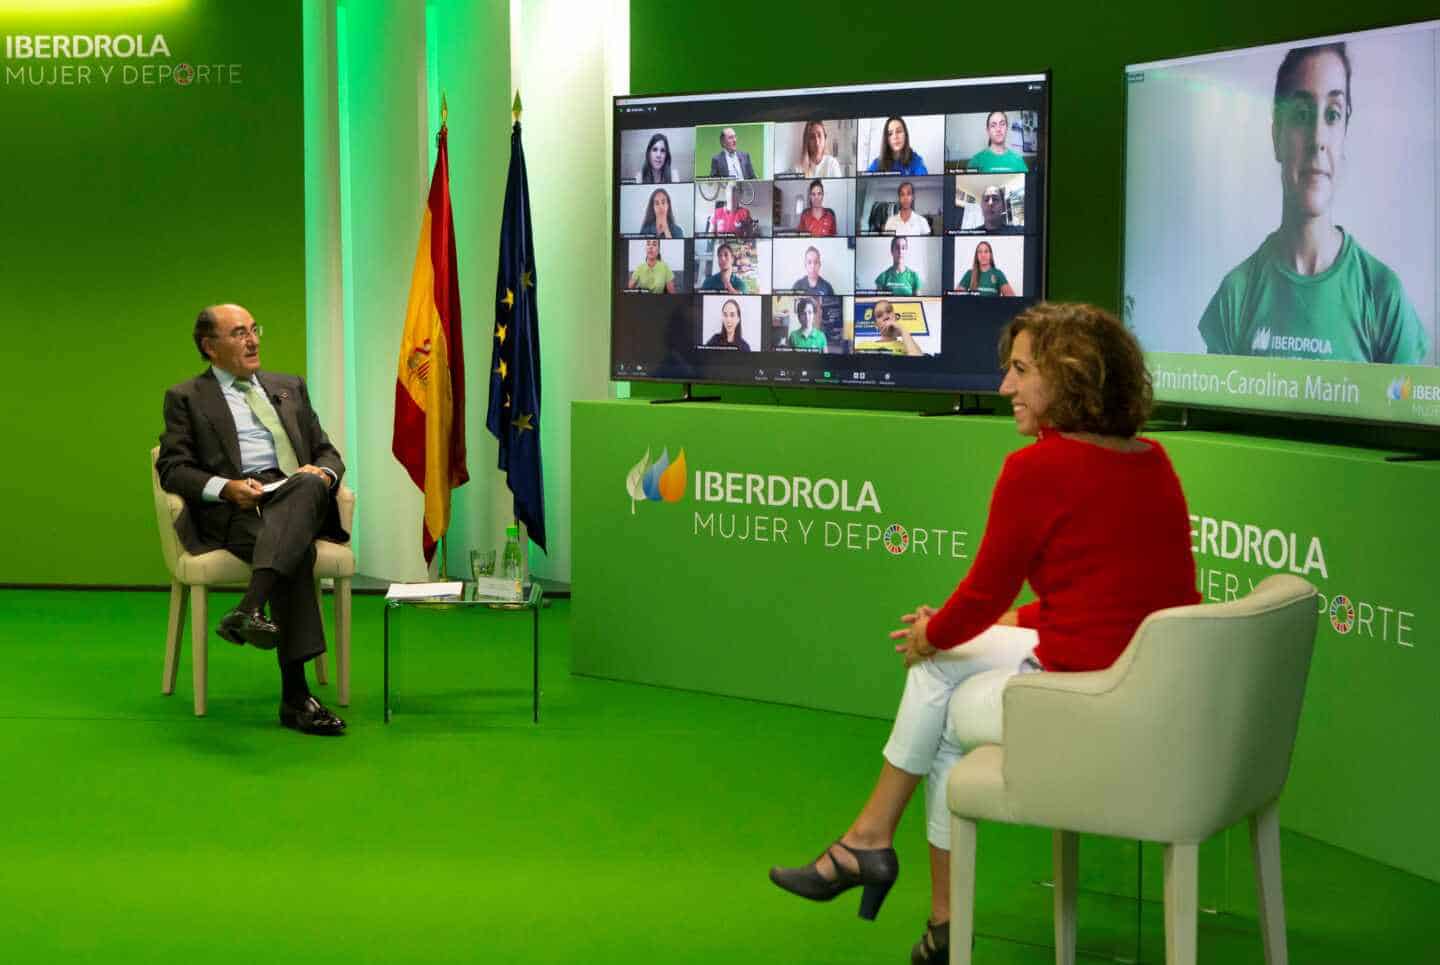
(1262, 340)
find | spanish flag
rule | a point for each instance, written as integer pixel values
(429, 437)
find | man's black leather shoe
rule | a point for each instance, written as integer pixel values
(310, 716)
(248, 626)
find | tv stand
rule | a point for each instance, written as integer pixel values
(1420, 455)
(686, 396)
(959, 407)
(1164, 425)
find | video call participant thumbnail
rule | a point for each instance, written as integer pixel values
(983, 277)
(724, 322)
(652, 156)
(992, 203)
(655, 212)
(817, 220)
(906, 220)
(806, 335)
(897, 156)
(730, 161)
(817, 153)
(1310, 290)
(997, 155)
(728, 275)
(813, 266)
(898, 279)
(740, 208)
(652, 274)
(894, 327)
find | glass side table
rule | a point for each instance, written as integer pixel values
(468, 601)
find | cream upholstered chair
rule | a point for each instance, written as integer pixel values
(198, 572)
(1190, 731)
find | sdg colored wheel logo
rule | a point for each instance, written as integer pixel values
(184, 75)
(1342, 614)
(896, 539)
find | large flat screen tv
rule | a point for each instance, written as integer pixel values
(877, 235)
(1281, 225)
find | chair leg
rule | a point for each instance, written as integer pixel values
(1182, 902)
(342, 639)
(174, 628)
(962, 889)
(199, 627)
(1269, 891)
(321, 677)
(1066, 845)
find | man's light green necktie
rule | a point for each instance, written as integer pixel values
(265, 412)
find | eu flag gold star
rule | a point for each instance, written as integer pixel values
(509, 300)
(523, 422)
(526, 281)
(503, 369)
(500, 333)
(507, 400)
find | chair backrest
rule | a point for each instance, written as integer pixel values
(1193, 727)
(168, 507)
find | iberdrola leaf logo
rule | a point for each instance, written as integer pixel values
(658, 481)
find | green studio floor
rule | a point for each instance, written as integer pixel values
(632, 825)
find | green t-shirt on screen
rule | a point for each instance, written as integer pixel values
(898, 282)
(989, 162)
(652, 279)
(991, 281)
(1354, 311)
(815, 340)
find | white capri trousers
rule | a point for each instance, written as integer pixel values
(952, 702)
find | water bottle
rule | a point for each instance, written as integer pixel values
(510, 569)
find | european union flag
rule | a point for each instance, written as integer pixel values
(514, 414)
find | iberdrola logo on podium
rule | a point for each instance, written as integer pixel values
(658, 481)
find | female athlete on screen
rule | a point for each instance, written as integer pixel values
(996, 155)
(1101, 551)
(660, 216)
(816, 161)
(1310, 291)
(730, 334)
(656, 169)
(896, 156)
(984, 278)
(818, 221)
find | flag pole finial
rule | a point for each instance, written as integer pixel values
(515, 107)
(444, 109)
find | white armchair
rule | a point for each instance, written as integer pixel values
(1190, 731)
(218, 567)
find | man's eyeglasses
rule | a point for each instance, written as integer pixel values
(240, 334)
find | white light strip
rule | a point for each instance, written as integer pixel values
(813, 91)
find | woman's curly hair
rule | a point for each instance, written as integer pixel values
(1093, 365)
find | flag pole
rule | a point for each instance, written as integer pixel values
(443, 547)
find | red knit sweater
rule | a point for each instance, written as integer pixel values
(1103, 537)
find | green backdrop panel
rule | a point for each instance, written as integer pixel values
(771, 567)
(144, 178)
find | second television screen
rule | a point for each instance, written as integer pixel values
(877, 235)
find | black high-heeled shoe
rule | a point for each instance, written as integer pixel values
(877, 869)
(933, 948)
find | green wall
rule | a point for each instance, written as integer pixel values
(126, 208)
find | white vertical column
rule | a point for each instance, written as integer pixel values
(568, 61)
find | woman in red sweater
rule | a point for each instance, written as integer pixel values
(1094, 518)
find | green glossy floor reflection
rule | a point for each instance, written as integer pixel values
(633, 825)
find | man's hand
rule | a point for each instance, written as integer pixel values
(244, 493)
(317, 471)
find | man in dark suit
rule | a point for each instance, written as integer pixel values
(731, 163)
(246, 452)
